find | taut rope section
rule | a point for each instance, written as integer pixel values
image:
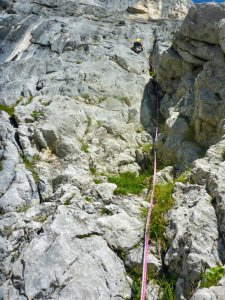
(151, 204)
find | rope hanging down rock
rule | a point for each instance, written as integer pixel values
(151, 204)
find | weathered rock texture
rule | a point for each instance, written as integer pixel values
(191, 81)
(79, 94)
(76, 87)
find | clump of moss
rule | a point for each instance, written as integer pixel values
(129, 183)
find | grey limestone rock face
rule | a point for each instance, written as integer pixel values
(75, 89)
(193, 90)
(192, 101)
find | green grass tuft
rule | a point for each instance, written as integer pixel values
(67, 202)
(23, 209)
(129, 183)
(97, 181)
(147, 148)
(86, 96)
(102, 98)
(163, 203)
(10, 109)
(41, 219)
(30, 165)
(84, 147)
(29, 100)
(184, 177)
(89, 199)
(212, 276)
(37, 114)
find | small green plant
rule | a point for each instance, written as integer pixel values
(212, 276)
(102, 98)
(136, 285)
(89, 199)
(163, 203)
(129, 183)
(44, 103)
(1, 166)
(147, 148)
(99, 123)
(30, 165)
(86, 96)
(151, 74)
(23, 209)
(184, 177)
(8, 230)
(37, 114)
(67, 202)
(10, 109)
(89, 123)
(167, 285)
(84, 147)
(29, 100)
(105, 211)
(41, 219)
(97, 181)
(93, 170)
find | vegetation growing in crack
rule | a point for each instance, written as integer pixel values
(105, 211)
(28, 100)
(129, 183)
(212, 276)
(41, 219)
(30, 165)
(163, 203)
(37, 114)
(1, 166)
(185, 177)
(10, 109)
(67, 202)
(93, 169)
(23, 209)
(84, 147)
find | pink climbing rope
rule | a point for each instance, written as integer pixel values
(148, 220)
